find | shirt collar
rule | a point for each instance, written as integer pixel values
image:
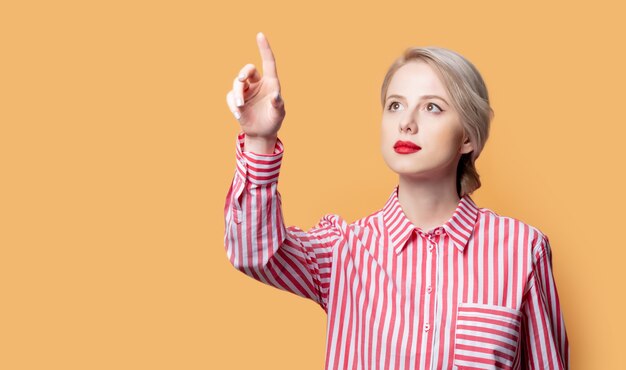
(459, 227)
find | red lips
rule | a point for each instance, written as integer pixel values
(405, 147)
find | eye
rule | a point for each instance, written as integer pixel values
(391, 104)
(428, 106)
(433, 105)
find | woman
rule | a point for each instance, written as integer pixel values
(429, 281)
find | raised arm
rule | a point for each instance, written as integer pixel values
(256, 239)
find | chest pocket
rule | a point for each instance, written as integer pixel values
(486, 336)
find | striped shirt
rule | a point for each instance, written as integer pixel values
(477, 292)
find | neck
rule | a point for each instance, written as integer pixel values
(428, 203)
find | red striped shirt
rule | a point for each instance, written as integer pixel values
(477, 292)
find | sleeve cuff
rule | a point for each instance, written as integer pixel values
(259, 169)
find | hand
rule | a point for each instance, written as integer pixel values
(261, 110)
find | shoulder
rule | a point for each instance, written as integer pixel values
(332, 220)
(373, 222)
(340, 223)
(361, 227)
(525, 235)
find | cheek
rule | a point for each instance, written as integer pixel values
(447, 137)
(385, 135)
(386, 144)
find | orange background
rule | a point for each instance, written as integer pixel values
(117, 150)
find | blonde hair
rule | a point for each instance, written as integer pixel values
(469, 97)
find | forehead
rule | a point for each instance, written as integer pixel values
(416, 78)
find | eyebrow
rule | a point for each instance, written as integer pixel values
(422, 97)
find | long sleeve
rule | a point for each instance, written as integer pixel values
(256, 239)
(545, 341)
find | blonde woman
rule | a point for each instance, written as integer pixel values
(428, 281)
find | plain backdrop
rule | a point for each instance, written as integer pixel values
(117, 149)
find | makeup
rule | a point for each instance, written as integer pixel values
(405, 147)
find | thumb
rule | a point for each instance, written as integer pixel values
(277, 100)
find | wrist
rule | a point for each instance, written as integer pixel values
(260, 144)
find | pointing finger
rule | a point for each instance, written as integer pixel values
(269, 63)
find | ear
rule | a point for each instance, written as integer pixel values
(466, 146)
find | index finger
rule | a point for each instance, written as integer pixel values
(269, 63)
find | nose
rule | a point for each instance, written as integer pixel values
(408, 124)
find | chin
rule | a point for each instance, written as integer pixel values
(402, 162)
(408, 171)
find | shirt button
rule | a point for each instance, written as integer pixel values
(430, 247)
(429, 289)
(438, 231)
(426, 327)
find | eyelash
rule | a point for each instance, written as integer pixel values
(438, 107)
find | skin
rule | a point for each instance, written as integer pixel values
(427, 178)
(261, 109)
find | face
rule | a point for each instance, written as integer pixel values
(412, 114)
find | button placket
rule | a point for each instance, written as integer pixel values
(438, 275)
(431, 246)
(431, 243)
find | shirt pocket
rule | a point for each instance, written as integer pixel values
(486, 336)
